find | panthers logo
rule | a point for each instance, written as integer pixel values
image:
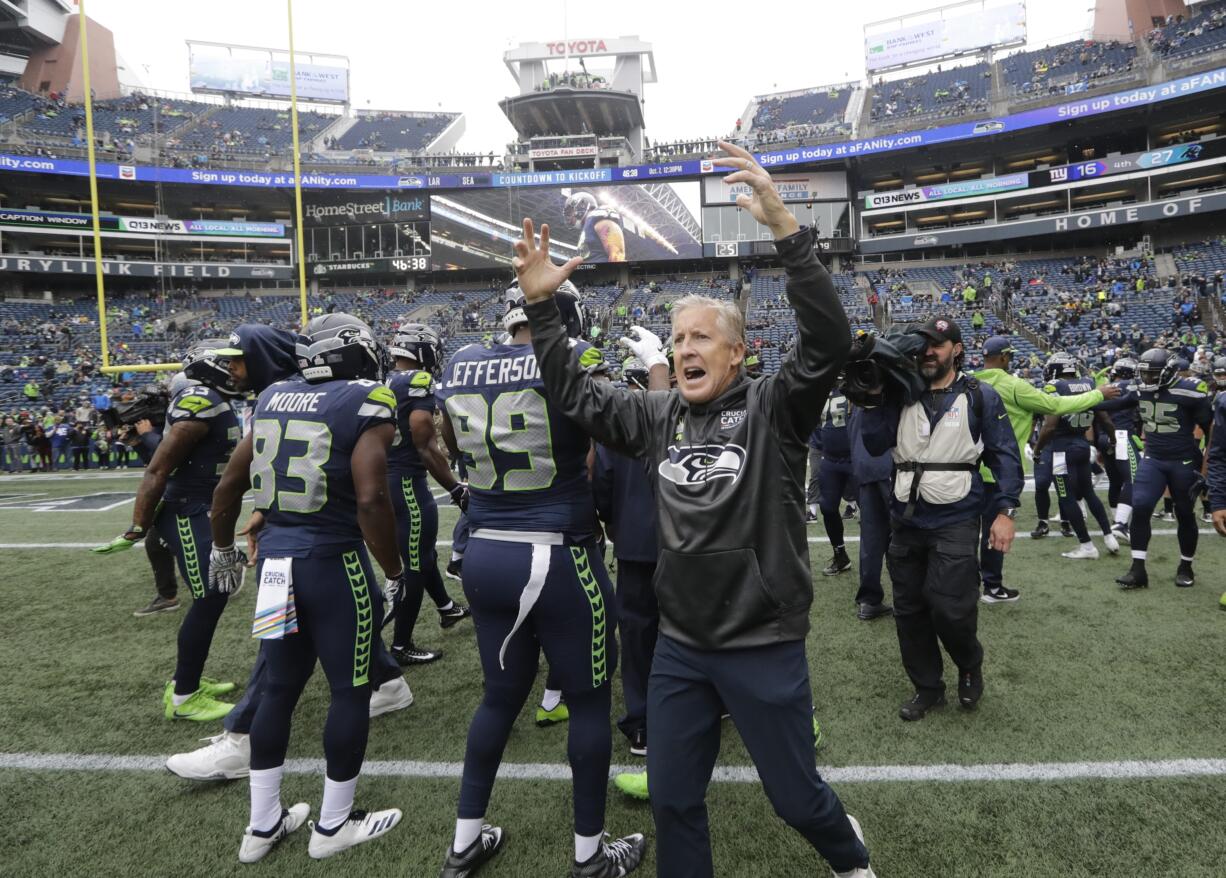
(700, 464)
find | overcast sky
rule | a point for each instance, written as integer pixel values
(441, 55)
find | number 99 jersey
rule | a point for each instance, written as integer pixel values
(304, 435)
(526, 462)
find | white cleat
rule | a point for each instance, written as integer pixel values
(1083, 552)
(227, 757)
(866, 872)
(256, 845)
(392, 695)
(360, 827)
(1112, 544)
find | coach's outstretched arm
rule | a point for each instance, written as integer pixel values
(613, 416)
(823, 337)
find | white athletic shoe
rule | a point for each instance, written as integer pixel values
(1083, 552)
(227, 757)
(856, 873)
(361, 826)
(1112, 544)
(392, 695)
(256, 846)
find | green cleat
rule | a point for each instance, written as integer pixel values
(559, 714)
(817, 733)
(1222, 603)
(199, 707)
(213, 688)
(633, 785)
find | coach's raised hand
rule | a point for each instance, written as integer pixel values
(765, 204)
(538, 277)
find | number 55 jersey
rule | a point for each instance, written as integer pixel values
(304, 436)
(526, 462)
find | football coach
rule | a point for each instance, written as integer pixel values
(727, 455)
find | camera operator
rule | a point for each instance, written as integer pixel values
(938, 442)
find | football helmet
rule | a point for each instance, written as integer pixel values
(418, 342)
(569, 303)
(1060, 365)
(1157, 368)
(1219, 372)
(634, 372)
(577, 207)
(1125, 369)
(202, 365)
(339, 347)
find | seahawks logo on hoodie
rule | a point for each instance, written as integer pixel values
(700, 464)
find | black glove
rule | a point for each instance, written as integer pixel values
(459, 496)
(1199, 488)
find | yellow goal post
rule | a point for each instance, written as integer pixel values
(107, 367)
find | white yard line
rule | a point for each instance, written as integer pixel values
(1006, 771)
(446, 543)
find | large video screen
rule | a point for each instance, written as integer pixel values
(263, 73)
(640, 222)
(958, 29)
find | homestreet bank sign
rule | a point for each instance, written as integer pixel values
(143, 269)
(1053, 225)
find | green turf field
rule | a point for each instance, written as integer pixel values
(1075, 672)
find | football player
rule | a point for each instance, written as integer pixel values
(173, 497)
(535, 581)
(317, 458)
(416, 352)
(1072, 456)
(258, 356)
(601, 238)
(1171, 409)
(835, 475)
(1122, 468)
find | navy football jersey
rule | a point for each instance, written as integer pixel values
(835, 439)
(1071, 429)
(591, 248)
(414, 392)
(304, 438)
(526, 462)
(1170, 416)
(1123, 409)
(196, 477)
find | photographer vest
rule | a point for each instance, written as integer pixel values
(937, 462)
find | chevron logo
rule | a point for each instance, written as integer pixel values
(365, 622)
(191, 557)
(591, 587)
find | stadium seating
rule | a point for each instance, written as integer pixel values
(242, 131)
(394, 132)
(1066, 66)
(818, 110)
(132, 117)
(1202, 32)
(959, 91)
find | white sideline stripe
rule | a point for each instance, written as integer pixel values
(1020, 771)
(447, 543)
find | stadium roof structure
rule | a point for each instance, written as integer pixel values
(564, 110)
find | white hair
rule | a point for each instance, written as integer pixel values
(728, 316)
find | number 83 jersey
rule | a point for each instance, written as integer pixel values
(304, 435)
(526, 462)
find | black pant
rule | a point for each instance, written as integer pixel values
(638, 623)
(162, 560)
(935, 574)
(874, 539)
(80, 457)
(766, 689)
